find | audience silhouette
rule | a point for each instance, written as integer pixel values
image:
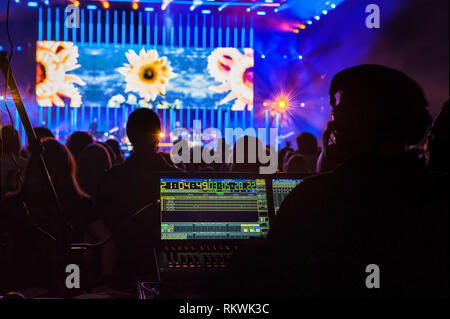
(379, 206)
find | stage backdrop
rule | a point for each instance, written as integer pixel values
(156, 77)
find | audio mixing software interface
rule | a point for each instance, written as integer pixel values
(281, 188)
(196, 208)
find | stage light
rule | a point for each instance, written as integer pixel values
(195, 4)
(47, 2)
(149, 9)
(77, 3)
(105, 4)
(16, 1)
(309, 22)
(325, 12)
(19, 48)
(282, 104)
(91, 7)
(302, 26)
(263, 56)
(261, 13)
(161, 135)
(206, 11)
(32, 4)
(333, 5)
(281, 8)
(317, 18)
(302, 104)
(165, 4)
(135, 5)
(268, 1)
(257, 5)
(300, 57)
(223, 6)
(285, 57)
(1, 48)
(296, 31)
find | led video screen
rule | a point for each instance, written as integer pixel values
(154, 77)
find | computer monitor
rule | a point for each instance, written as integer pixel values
(281, 187)
(213, 208)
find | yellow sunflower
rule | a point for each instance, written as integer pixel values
(53, 61)
(146, 73)
(239, 81)
(221, 61)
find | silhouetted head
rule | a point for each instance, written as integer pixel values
(438, 142)
(92, 164)
(144, 129)
(9, 140)
(297, 164)
(245, 154)
(307, 144)
(376, 109)
(43, 132)
(78, 141)
(61, 166)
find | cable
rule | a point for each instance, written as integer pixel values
(101, 243)
(5, 93)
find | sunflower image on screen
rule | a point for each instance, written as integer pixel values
(235, 71)
(53, 82)
(146, 73)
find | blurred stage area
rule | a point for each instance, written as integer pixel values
(85, 65)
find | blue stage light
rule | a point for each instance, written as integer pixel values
(206, 11)
(149, 9)
(261, 13)
(19, 48)
(1, 48)
(32, 4)
(333, 5)
(223, 6)
(300, 57)
(91, 7)
(16, 1)
(317, 18)
(325, 12)
(263, 56)
(309, 22)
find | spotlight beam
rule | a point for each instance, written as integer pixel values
(165, 4)
(281, 8)
(257, 5)
(195, 4)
